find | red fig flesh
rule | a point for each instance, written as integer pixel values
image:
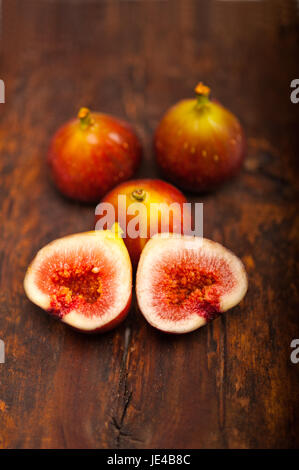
(184, 282)
(84, 279)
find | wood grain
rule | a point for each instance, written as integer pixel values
(230, 384)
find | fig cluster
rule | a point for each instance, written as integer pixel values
(182, 281)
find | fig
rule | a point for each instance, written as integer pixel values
(89, 155)
(144, 196)
(199, 144)
(184, 282)
(85, 280)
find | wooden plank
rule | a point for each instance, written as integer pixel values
(230, 384)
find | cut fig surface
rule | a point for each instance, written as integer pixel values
(84, 279)
(184, 282)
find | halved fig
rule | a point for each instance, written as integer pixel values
(85, 280)
(184, 282)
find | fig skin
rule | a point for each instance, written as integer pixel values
(199, 144)
(69, 306)
(108, 326)
(89, 155)
(152, 191)
(183, 283)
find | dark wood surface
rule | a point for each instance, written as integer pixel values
(231, 383)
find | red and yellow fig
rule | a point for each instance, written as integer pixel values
(90, 155)
(148, 197)
(199, 143)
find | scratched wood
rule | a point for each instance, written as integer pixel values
(230, 384)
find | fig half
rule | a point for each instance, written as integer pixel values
(85, 280)
(184, 282)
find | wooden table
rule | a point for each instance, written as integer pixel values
(230, 384)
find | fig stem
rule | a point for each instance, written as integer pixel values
(138, 194)
(85, 118)
(203, 93)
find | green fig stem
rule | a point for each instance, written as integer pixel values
(203, 94)
(85, 118)
(139, 195)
